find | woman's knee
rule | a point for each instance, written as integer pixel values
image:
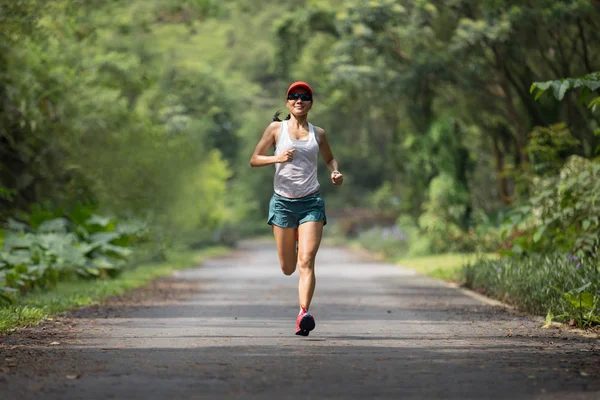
(306, 261)
(288, 268)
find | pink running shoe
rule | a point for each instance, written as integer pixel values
(304, 323)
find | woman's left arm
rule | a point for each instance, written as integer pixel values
(336, 176)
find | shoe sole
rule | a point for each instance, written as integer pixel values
(307, 324)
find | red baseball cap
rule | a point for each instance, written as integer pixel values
(300, 84)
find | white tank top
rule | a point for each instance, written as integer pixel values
(297, 178)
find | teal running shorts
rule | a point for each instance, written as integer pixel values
(290, 213)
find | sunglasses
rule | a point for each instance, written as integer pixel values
(296, 96)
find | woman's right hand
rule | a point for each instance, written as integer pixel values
(286, 156)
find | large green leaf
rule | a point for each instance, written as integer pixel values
(57, 225)
(17, 257)
(104, 263)
(103, 237)
(132, 227)
(589, 83)
(538, 234)
(16, 226)
(582, 300)
(581, 289)
(90, 271)
(18, 241)
(81, 214)
(53, 241)
(594, 104)
(98, 220)
(39, 269)
(118, 251)
(564, 86)
(592, 85)
(542, 86)
(586, 224)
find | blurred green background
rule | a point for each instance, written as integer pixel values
(130, 124)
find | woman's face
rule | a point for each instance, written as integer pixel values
(299, 107)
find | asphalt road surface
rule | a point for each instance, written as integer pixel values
(226, 330)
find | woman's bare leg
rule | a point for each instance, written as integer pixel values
(285, 238)
(309, 240)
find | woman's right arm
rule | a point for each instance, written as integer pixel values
(259, 159)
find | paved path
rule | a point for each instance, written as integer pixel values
(382, 333)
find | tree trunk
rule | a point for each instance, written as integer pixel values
(512, 113)
(500, 176)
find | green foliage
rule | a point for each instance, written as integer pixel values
(117, 102)
(447, 266)
(546, 149)
(385, 199)
(588, 84)
(151, 110)
(562, 214)
(40, 304)
(11, 317)
(552, 240)
(408, 65)
(95, 112)
(563, 285)
(443, 213)
(61, 248)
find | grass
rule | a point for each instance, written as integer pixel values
(564, 287)
(447, 266)
(36, 306)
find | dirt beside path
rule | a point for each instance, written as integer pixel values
(225, 330)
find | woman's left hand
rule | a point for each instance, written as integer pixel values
(337, 178)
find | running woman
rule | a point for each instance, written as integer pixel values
(297, 209)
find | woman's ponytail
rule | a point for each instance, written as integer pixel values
(276, 116)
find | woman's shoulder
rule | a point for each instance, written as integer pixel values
(320, 131)
(273, 128)
(275, 125)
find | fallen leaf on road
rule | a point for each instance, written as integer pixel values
(73, 376)
(54, 343)
(583, 373)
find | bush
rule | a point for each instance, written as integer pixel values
(563, 214)
(563, 286)
(59, 248)
(405, 238)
